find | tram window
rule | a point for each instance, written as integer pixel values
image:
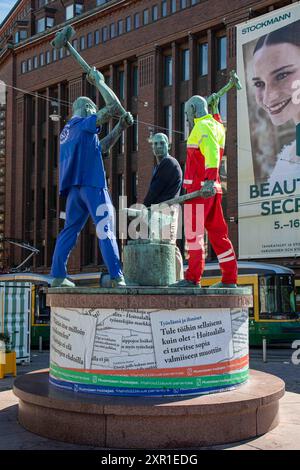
(277, 297)
(251, 309)
(267, 295)
(287, 294)
(42, 311)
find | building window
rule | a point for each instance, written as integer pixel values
(194, 2)
(128, 24)
(168, 77)
(49, 22)
(135, 135)
(135, 81)
(61, 53)
(91, 252)
(32, 201)
(203, 59)
(75, 43)
(120, 27)
(69, 12)
(101, 2)
(29, 65)
(155, 13)
(222, 53)
(104, 132)
(121, 186)
(185, 65)
(184, 125)
(55, 155)
(121, 85)
(24, 66)
(44, 23)
(35, 62)
(48, 57)
(78, 9)
(90, 40)
(112, 31)
(168, 116)
(183, 4)
(73, 10)
(145, 17)
(42, 59)
(40, 25)
(97, 37)
(104, 34)
(134, 182)
(82, 43)
(173, 6)
(54, 55)
(107, 79)
(91, 91)
(121, 144)
(223, 108)
(122, 140)
(20, 35)
(120, 189)
(43, 203)
(164, 8)
(54, 201)
(136, 20)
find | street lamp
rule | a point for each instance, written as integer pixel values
(55, 117)
(144, 103)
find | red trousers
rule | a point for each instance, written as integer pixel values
(210, 212)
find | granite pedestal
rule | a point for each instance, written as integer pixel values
(140, 368)
(149, 423)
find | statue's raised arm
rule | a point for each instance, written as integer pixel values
(96, 78)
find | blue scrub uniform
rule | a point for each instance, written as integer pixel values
(82, 179)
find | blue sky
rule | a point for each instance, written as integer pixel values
(5, 6)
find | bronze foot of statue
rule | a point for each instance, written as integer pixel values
(221, 285)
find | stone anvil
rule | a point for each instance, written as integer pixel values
(151, 261)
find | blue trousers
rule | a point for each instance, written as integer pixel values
(83, 201)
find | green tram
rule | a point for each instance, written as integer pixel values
(273, 316)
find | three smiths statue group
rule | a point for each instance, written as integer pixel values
(82, 180)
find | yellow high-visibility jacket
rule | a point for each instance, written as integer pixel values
(205, 149)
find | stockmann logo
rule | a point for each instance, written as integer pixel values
(269, 22)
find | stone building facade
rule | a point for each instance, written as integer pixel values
(155, 54)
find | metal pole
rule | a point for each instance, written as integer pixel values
(157, 207)
(178, 200)
(40, 344)
(265, 350)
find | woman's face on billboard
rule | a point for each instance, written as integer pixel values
(276, 67)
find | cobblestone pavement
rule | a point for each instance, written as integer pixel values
(285, 437)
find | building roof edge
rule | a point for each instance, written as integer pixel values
(13, 8)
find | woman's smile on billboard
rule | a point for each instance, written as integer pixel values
(276, 67)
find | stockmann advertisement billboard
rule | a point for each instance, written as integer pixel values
(268, 63)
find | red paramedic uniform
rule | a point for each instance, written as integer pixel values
(205, 149)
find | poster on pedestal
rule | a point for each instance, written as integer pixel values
(148, 352)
